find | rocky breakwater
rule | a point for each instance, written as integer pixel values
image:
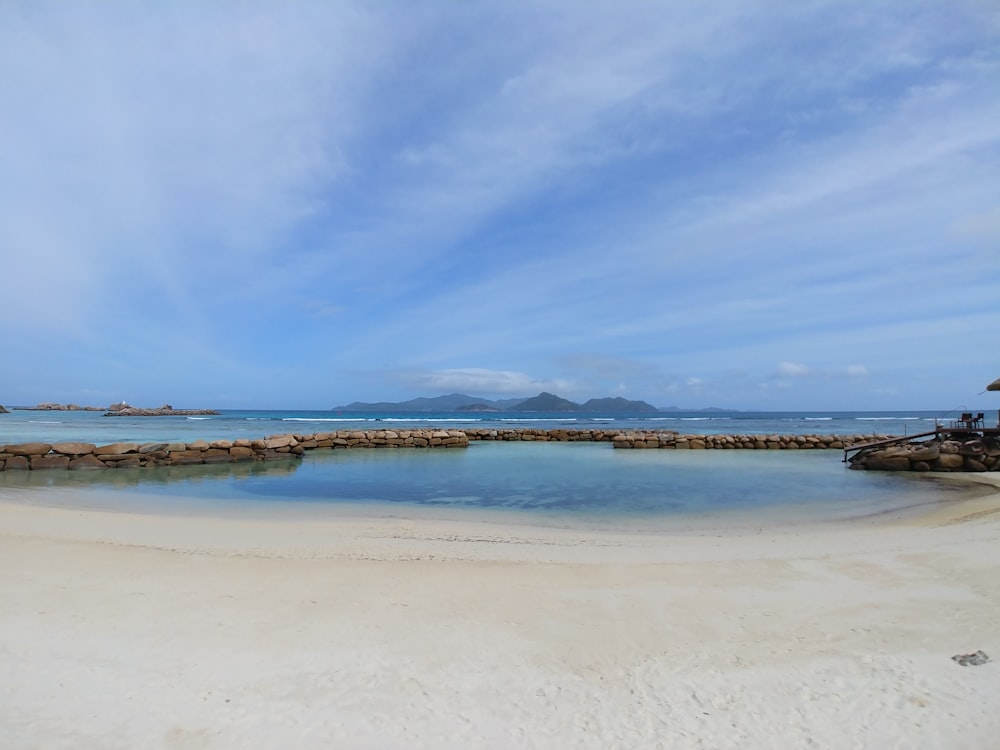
(677, 441)
(529, 434)
(945, 454)
(671, 439)
(82, 456)
(71, 455)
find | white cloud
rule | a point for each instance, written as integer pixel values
(480, 381)
(797, 370)
(163, 147)
(793, 370)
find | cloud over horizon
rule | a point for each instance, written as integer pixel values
(759, 207)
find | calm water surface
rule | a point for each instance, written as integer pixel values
(562, 483)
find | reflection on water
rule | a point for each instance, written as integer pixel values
(560, 480)
(148, 478)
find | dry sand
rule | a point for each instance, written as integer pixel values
(139, 631)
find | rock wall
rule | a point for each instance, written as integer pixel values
(674, 440)
(723, 442)
(940, 454)
(80, 456)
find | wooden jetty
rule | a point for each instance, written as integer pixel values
(968, 427)
(885, 442)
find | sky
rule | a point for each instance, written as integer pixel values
(790, 205)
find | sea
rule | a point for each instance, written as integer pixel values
(561, 484)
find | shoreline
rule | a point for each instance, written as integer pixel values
(333, 531)
(124, 630)
(219, 492)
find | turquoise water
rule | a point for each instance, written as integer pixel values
(546, 482)
(22, 426)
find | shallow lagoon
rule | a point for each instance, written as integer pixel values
(545, 483)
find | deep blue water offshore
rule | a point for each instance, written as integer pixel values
(561, 483)
(53, 426)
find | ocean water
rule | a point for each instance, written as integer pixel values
(46, 426)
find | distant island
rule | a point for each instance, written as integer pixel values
(121, 409)
(51, 406)
(543, 402)
(126, 410)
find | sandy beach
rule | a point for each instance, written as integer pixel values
(124, 630)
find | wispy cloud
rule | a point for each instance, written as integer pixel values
(501, 198)
(798, 370)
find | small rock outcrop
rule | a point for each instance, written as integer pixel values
(51, 406)
(126, 410)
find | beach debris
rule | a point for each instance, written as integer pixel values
(971, 660)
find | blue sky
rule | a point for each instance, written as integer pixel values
(782, 205)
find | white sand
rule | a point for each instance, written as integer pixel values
(131, 631)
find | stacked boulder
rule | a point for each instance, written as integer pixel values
(539, 435)
(421, 438)
(77, 455)
(673, 440)
(951, 454)
(974, 454)
(131, 455)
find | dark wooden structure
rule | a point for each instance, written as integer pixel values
(966, 427)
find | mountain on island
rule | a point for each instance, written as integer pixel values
(547, 402)
(479, 406)
(543, 402)
(451, 402)
(618, 405)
